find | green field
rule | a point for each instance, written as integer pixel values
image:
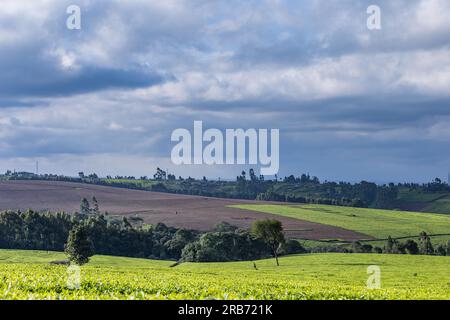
(28, 275)
(406, 195)
(440, 205)
(376, 223)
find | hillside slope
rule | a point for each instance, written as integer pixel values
(180, 211)
(27, 275)
(374, 222)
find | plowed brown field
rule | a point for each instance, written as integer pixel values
(185, 211)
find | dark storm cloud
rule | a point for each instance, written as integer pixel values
(30, 71)
(57, 83)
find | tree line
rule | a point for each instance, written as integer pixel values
(423, 246)
(248, 185)
(31, 230)
(81, 235)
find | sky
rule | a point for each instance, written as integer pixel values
(351, 103)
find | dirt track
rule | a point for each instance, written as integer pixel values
(191, 212)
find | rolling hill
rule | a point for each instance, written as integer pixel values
(374, 222)
(180, 211)
(28, 275)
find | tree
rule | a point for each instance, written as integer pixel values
(389, 245)
(95, 209)
(377, 250)
(160, 174)
(84, 206)
(425, 246)
(291, 247)
(270, 232)
(181, 238)
(411, 247)
(252, 175)
(385, 197)
(441, 250)
(79, 247)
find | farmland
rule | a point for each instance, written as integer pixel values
(180, 211)
(376, 223)
(28, 275)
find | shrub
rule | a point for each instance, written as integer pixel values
(441, 250)
(291, 247)
(357, 247)
(377, 250)
(411, 247)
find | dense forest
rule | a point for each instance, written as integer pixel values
(32, 230)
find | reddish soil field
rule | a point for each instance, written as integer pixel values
(184, 211)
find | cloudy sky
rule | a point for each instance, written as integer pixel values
(350, 103)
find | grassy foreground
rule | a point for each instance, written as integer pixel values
(373, 222)
(27, 275)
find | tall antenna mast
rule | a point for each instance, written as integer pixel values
(37, 167)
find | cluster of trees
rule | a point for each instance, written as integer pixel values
(281, 197)
(393, 246)
(311, 190)
(49, 231)
(228, 243)
(225, 245)
(85, 207)
(301, 189)
(82, 234)
(423, 247)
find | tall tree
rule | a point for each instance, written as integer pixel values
(389, 245)
(85, 208)
(95, 209)
(425, 245)
(78, 247)
(160, 174)
(271, 232)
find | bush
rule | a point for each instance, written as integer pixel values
(331, 249)
(411, 247)
(291, 247)
(357, 247)
(441, 250)
(377, 250)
